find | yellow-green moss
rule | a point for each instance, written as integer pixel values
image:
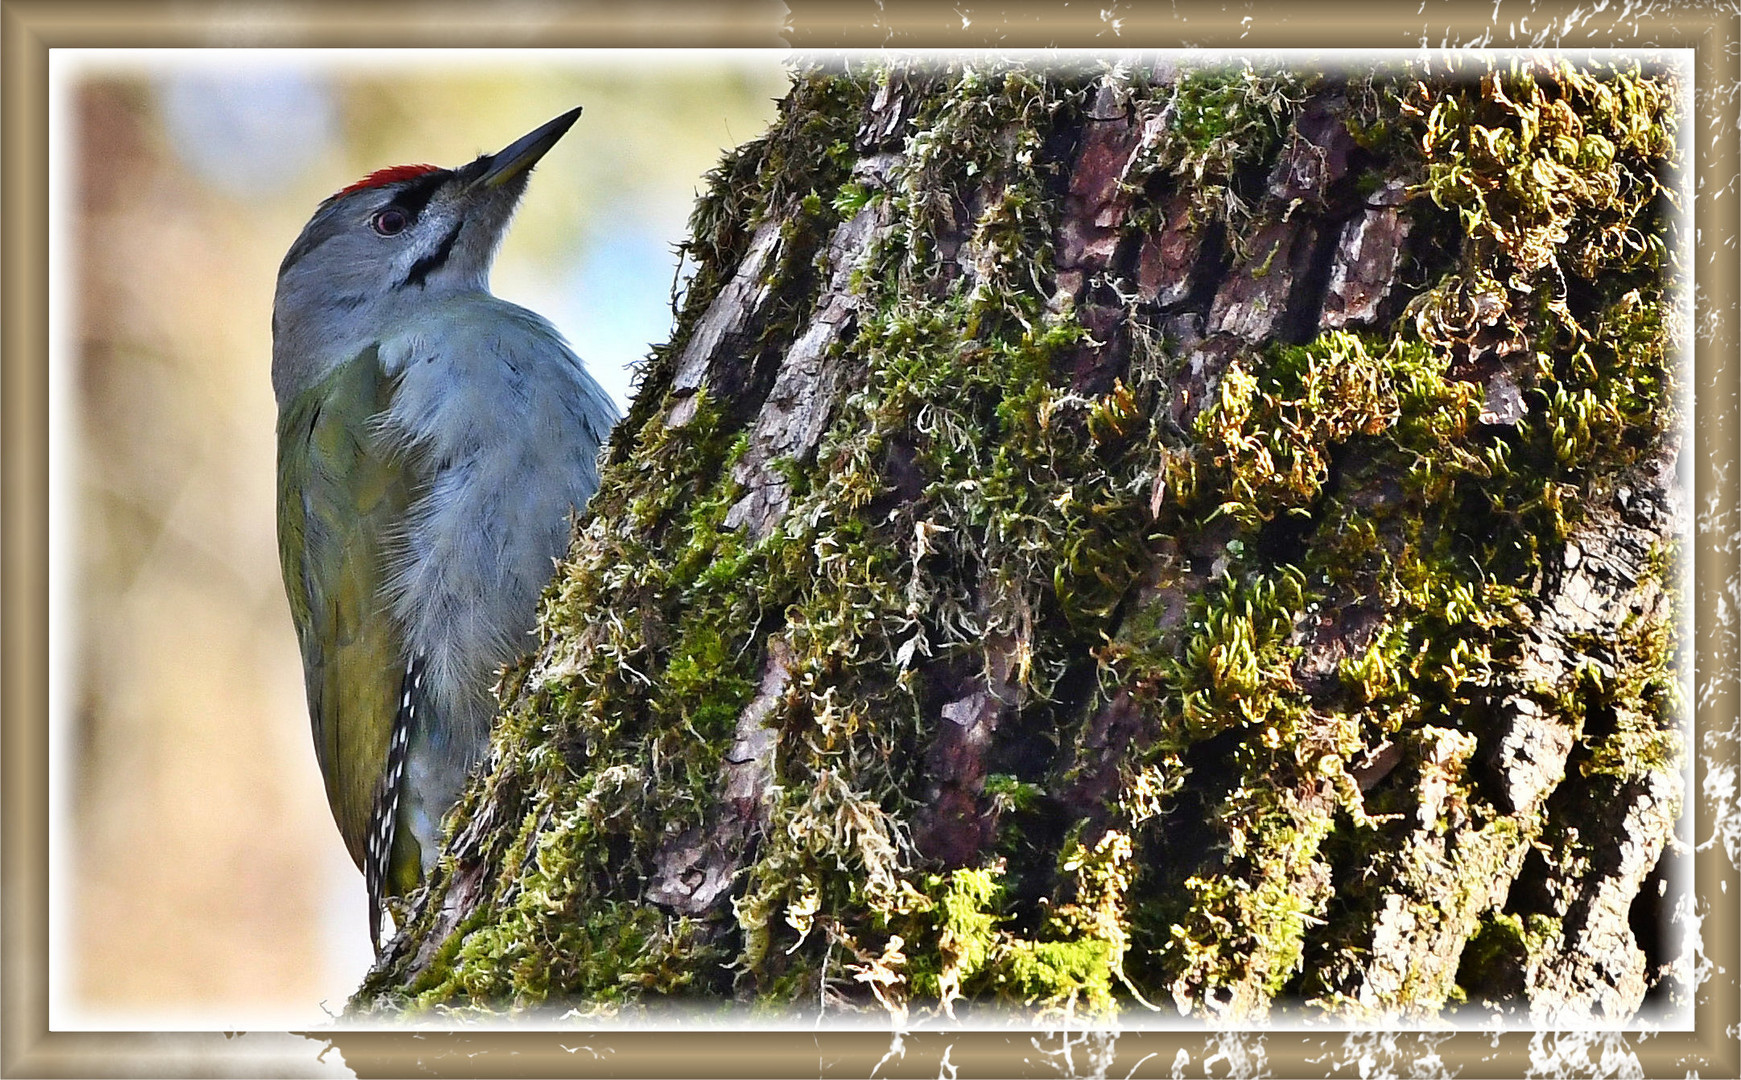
(1040, 529)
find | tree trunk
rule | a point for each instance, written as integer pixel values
(1193, 537)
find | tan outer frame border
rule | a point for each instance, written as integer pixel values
(28, 28)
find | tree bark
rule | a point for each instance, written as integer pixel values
(1184, 537)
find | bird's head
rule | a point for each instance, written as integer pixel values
(398, 236)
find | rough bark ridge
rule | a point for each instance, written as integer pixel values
(1194, 536)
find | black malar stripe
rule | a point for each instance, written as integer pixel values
(422, 268)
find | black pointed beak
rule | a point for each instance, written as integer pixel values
(524, 152)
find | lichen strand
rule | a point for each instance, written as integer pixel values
(1126, 637)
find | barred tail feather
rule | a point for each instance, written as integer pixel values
(384, 817)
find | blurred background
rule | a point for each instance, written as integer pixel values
(200, 880)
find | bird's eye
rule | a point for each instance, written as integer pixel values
(390, 222)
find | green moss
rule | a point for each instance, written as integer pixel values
(1072, 968)
(1551, 165)
(980, 513)
(1223, 125)
(1497, 959)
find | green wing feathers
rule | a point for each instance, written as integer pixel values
(341, 502)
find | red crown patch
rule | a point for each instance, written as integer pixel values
(391, 174)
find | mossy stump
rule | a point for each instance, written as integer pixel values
(1118, 538)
